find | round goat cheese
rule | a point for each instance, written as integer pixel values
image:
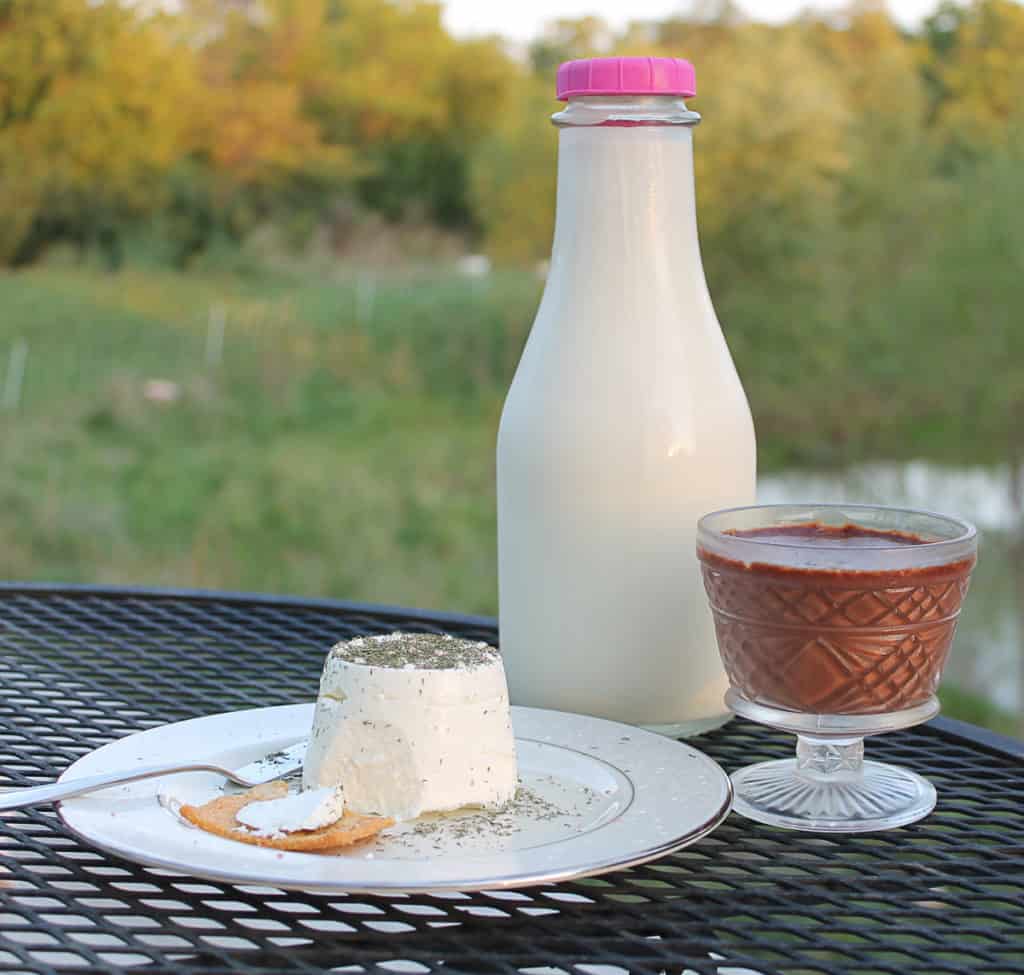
(411, 723)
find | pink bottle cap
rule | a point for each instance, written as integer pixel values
(626, 76)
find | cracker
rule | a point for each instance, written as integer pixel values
(218, 816)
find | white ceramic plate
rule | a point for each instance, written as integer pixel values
(598, 796)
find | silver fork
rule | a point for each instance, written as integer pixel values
(261, 771)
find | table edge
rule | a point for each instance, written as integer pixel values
(951, 728)
(983, 738)
(231, 596)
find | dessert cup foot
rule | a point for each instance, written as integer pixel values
(870, 796)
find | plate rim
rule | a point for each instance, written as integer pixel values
(503, 882)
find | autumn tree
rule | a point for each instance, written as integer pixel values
(825, 136)
(514, 177)
(414, 103)
(370, 95)
(566, 39)
(981, 73)
(886, 141)
(93, 109)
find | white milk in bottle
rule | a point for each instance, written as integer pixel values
(625, 422)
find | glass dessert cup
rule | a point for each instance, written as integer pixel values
(834, 623)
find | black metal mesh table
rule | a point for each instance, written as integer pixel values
(81, 667)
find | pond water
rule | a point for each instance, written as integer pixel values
(988, 656)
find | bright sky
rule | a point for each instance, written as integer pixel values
(522, 20)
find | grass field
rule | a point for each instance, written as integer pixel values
(341, 444)
(321, 456)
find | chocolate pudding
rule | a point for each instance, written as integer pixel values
(834, 640)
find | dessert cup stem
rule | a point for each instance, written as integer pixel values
(829, 759)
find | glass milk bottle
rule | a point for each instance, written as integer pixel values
(625, 422)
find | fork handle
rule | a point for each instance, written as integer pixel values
(41, 795)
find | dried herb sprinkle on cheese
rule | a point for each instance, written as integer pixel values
(416, 651)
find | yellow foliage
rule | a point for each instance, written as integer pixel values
(255, 131)
(984, 77)
(93, 102)
(101, 99)
(390, 71)
(309, 86)
(254, 123)
(879, 68)
(775, 121)
(480, 84)
(387, 76)
(514, 177)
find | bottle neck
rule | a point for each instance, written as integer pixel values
(612, 110)
(625, 187)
